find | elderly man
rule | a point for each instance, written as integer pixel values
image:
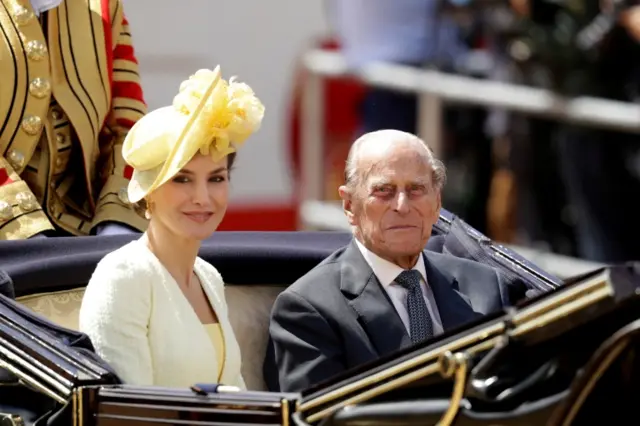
(382, 292)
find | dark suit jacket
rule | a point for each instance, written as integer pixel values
(338, 316)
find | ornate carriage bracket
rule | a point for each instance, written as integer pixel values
(454, 365)
(10, 420)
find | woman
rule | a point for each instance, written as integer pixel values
(153, 309)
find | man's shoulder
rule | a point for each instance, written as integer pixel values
(322, 278)
(480, 282)
(458, 266)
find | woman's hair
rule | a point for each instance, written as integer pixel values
(141, 206)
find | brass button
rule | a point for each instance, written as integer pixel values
(40, 87)
(16, 158)
(6, 211)
(123, 195)
(26, 201)
(32, 124)
(36, 50)
(60, 138)
(56, 114)
(58, 162)
(22, 15)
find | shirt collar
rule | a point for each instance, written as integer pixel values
(385, 271)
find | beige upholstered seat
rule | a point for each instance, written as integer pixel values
(249, 308)
(60, 307)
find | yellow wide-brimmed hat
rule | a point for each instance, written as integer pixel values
(208, 114)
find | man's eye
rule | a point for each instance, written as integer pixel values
(383, 190)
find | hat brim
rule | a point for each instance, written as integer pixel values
(182, 151)
(143, 182)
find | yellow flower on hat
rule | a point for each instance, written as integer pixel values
(208, 115)
(228, 116)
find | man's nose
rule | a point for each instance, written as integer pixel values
(402, 202)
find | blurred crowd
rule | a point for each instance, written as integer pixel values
(520, 179)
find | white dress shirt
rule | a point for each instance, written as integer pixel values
(386, 272)
(40, 6)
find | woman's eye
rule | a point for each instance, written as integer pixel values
(185, 179)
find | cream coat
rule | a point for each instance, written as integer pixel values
(142, 325)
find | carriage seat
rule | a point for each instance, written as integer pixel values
(249, 309)
(276, 260)
(29, 319)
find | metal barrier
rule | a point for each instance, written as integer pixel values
(435, 88)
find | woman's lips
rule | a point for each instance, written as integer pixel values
(199, 217)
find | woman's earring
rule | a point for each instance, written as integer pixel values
(147, 212)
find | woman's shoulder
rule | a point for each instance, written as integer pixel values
(127, 254)
(124, 262)
(119, 285)
(210, 272)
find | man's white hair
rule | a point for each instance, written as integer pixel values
(353, 176)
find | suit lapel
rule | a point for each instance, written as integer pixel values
(368, 299)
(453, 306)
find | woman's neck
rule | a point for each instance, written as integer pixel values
(178, 255)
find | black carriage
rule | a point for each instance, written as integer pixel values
(561, 354)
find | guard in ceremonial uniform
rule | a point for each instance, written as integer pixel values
(69, 93)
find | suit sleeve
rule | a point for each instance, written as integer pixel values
(127, 107)
(306, 349)
(115, 313)
(21, 216)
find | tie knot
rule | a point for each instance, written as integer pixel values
(409, 279)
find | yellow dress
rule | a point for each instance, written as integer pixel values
(215, 334)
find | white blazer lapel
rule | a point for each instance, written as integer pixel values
(186, 334)
(199, 343)
(214, 288)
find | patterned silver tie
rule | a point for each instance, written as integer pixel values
(420, 323)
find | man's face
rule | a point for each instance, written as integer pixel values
(395, 204)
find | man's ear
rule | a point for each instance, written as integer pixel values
(347, 203)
